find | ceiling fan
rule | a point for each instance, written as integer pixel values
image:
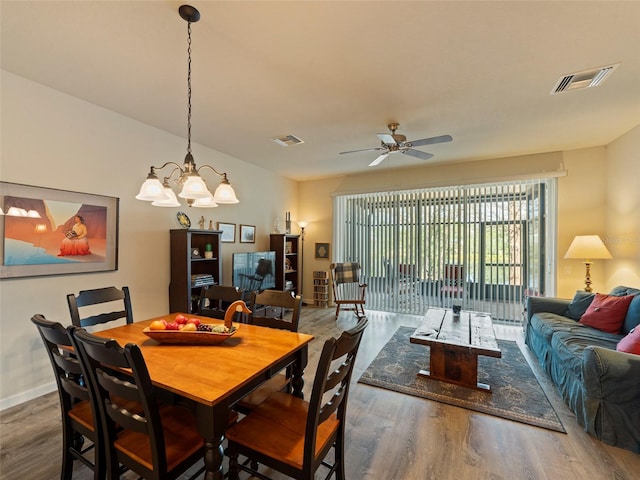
(394, 143)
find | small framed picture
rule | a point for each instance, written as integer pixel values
(228, 232)
(247, 234)
(322, 250)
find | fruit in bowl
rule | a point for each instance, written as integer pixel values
(158, 325)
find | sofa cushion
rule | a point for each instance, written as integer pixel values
(579, 304)
(632, 319)
(546, 324)
(568, 346)
(630, 343)
(607, 312)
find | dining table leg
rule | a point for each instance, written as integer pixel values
(297, 371)
(212, 423)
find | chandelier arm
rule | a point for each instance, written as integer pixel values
(224, 175)
(153, 169)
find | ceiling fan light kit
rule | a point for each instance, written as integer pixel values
(194, 188)
(395, 142)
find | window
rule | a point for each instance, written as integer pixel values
(483, 244)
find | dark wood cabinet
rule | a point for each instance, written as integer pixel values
(192, 267)
(288, 261)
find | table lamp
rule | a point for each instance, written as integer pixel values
(587, 248)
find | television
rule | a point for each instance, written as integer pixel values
(254, 270)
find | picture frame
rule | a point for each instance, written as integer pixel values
(247, 234)
(322, 250)
(228, 232)
(46, 231)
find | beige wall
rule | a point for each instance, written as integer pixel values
(622, 218)
(598, 195)
(53, 140)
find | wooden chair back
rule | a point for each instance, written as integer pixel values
(275, 309)
(131, 416)
(78, 418)
(331, 390)
(99, 296)
(215, 300)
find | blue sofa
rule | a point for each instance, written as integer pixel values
(599, 384)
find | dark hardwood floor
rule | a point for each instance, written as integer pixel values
(389, 435)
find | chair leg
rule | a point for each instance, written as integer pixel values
(66, 471)
(234, 470)
(339, 458)
(337, 310)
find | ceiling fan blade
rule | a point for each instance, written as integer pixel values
(379, 159)
(431, 141)
(377, 149)
(417, 154)
(387, 138)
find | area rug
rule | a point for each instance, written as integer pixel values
(515, 392)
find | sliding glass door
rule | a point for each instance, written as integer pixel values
(482, 245)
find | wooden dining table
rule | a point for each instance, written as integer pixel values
(209, 379)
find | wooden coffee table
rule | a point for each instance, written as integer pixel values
(455, 344)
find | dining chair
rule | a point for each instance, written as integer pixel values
(347, 289)
(216, 298)
(293, 436)
(89, 299)
(160, 442)
(78, 419)
(273, 309)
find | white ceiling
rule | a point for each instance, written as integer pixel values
(335, 73)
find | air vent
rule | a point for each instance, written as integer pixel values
(288, 140)
(585, 79)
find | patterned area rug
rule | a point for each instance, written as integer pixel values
(516, 394)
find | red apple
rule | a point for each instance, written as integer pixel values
(180, 319)
(195, 321)
(173, 326)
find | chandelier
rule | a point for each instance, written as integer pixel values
(194, 188)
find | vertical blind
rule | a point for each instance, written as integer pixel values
(484, 246)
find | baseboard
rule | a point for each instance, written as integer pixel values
(22, 397)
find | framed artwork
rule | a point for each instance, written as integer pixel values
(45, 231)
(322, 250)
(228, 232)
(247, 234)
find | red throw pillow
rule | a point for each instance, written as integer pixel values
(630, 343)
(607, 312)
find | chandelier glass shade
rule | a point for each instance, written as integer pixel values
(193, 187)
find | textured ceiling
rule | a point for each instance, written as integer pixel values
(335, 73)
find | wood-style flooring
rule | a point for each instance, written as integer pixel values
(389, 435)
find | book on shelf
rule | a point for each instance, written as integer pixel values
(201, 280)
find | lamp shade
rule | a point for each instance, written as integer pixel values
(194, 187)
(225, 193)
(587, 247)
(171, 200)
(152, 190)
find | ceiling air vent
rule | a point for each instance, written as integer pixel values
(585, 79)
(288, 140)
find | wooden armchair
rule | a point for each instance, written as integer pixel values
(347, 289)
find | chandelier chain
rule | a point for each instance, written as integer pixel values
(189, 87)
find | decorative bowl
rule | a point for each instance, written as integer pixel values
(177, 337)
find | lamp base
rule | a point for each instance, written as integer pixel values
(587, 277)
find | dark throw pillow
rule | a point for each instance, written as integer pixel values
(630, 343)
(607, 313)
(579, 304)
